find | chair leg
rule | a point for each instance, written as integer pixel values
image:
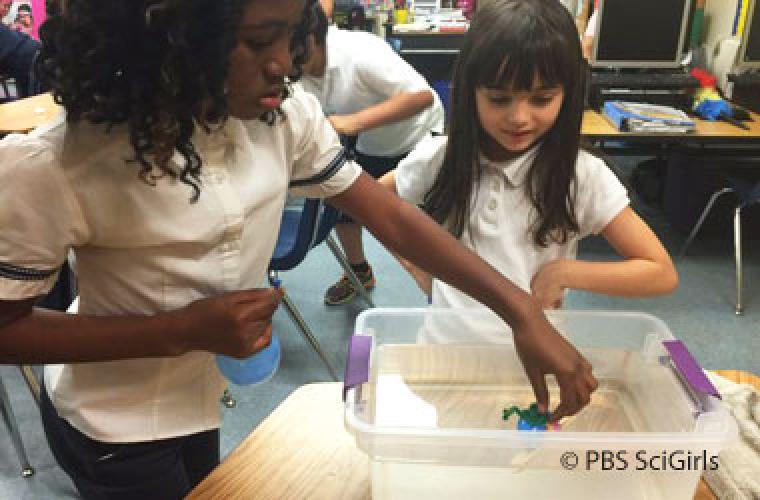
(31, 382)
(228, 399)
(341, 258)
(307, 334)
(702, 218)
(738, 257)
(10, 420)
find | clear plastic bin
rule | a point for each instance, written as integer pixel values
(429, 414)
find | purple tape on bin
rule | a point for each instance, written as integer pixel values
(357, 362)
(689, 368)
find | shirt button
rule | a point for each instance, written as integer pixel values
(493, 204)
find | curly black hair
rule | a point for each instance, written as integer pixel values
(158, 66)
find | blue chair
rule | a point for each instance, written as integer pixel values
(304, 226)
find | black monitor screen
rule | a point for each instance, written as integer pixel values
(641, 30)
(752, 28)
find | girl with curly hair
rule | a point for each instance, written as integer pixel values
(167, 178)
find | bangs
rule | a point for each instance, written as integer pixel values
(519, 50)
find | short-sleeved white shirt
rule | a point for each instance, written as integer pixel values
(142, 249)
(362, 70)
(502, 214)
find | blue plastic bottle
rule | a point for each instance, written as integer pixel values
(254, 369)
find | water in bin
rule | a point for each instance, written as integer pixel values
(254, 369)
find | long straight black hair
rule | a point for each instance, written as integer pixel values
(512, 44)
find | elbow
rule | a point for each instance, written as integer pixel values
(668, 281)
(428, 98)
(425, 99)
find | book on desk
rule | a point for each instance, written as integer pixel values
(647, 118)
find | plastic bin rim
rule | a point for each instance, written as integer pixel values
(483, 311)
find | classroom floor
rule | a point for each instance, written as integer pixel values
(700, 312)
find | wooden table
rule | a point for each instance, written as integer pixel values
(596, 128)
(27, 114)
(302, 451)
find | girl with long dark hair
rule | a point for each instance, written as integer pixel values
(511, 180)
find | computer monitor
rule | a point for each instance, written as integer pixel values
(641, 33)
(749, 50)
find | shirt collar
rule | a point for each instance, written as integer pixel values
(215, 145)
(515, 169)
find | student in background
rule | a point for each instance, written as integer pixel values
(511, 180)
(168, 178)
(17, 54)
(328, 6)
(24, 22)
(367, 90)
(5, 8)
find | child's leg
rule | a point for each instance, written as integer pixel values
(350, 236)
(116, 471)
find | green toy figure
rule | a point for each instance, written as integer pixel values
(530, 419)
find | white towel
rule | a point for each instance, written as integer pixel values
(738, 474)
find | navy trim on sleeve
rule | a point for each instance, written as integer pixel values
(24, 273)
(329, 171)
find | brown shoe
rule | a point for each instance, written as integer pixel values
(343, 291)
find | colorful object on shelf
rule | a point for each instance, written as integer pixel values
(254, 369)
(400, 16)
(530, 419)
(708, 103)
(468, 8)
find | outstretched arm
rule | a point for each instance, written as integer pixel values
(406, 230)
(422, 278)
(237, 324)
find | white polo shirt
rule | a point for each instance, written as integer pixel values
(502, 214)
(362, 70)
(142, 249)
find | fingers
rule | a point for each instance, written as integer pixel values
(263, 340)
(568, 398)
(263, 305)
(538, 382)
(591, 381)
(255, 295)
(575, 392)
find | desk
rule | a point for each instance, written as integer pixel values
(26, 114)
(302, 451)
(597, 129)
